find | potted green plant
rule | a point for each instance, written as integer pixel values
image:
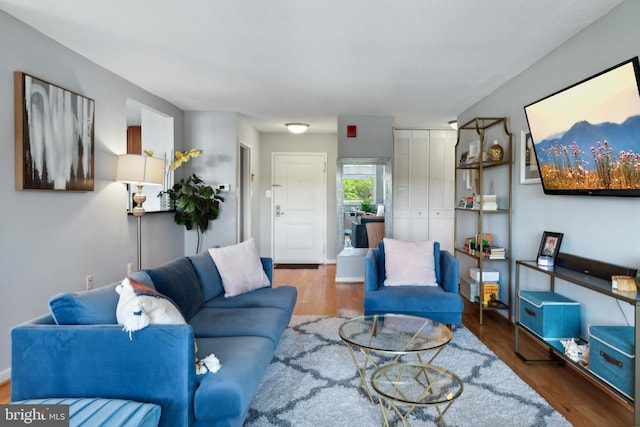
(196, 203)
(366, 205)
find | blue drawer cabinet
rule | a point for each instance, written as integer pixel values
(611, 355)
(549, 315)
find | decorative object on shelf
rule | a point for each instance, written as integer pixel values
(549, 248)
(579, 353)
(529, 173)
(139, 170)
(496, 152)
(624, 283)
(474, 152)
(182, 157)
(463, 157)
(54, 137)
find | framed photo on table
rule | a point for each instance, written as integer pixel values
(549, 248)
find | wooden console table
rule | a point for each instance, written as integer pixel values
(583, 272)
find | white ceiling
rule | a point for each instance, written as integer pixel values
(421, 61)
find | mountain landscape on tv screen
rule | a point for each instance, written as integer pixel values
(592, 156)
(623, 137)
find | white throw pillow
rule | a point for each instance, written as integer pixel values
(240, 268)
(409, 263)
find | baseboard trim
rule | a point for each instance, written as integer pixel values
(5, 375)
(349, 279)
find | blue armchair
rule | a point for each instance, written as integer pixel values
(441, 303)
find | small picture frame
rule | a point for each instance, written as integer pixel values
(529, 173)
(549, 248)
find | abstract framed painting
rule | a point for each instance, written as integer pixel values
(55, 141)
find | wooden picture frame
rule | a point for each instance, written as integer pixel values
(550, 245)
(529, 173)
(54, 141)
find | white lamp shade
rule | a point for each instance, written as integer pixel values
(138, 169)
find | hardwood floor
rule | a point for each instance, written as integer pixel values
(4, 392)
(583, 403)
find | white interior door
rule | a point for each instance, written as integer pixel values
(299, 207)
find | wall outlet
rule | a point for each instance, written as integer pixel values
(90, 281)
(130, 268)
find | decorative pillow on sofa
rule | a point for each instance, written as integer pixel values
(140, 305)
(409, 263)
(93, 307)
(240, 268)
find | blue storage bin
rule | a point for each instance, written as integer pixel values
(611, 356)
(549, 315)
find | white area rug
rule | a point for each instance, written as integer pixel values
(312, 382)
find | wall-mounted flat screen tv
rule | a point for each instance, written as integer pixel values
(586, 138)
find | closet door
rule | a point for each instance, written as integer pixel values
(410, 184)
(401, 185)
(441, 187)
(419, 184)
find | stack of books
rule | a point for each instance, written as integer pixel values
(490, 287)
(486, 202)
(469, 203)
(494, 252)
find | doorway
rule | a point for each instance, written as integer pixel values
(299, 207)
(245, 193)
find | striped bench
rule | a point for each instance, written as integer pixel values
(101, 412)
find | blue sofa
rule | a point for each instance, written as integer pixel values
(441, 303)
(79, 350)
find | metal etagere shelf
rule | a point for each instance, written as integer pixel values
(487, 175)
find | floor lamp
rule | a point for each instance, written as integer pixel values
(139, 170)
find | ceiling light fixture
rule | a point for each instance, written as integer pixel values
(297, 127)
(453, 124)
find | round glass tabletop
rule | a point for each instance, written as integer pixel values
(416, 384)
(395, 333)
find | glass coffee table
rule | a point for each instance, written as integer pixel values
(413, 385)
(394, 335)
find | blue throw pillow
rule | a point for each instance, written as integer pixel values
(94, 307)
(178, 281)
(208, 274)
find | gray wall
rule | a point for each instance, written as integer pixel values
(602, 228)
(289, 143)
(374, 136)
(52, 241)
(217, 135)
